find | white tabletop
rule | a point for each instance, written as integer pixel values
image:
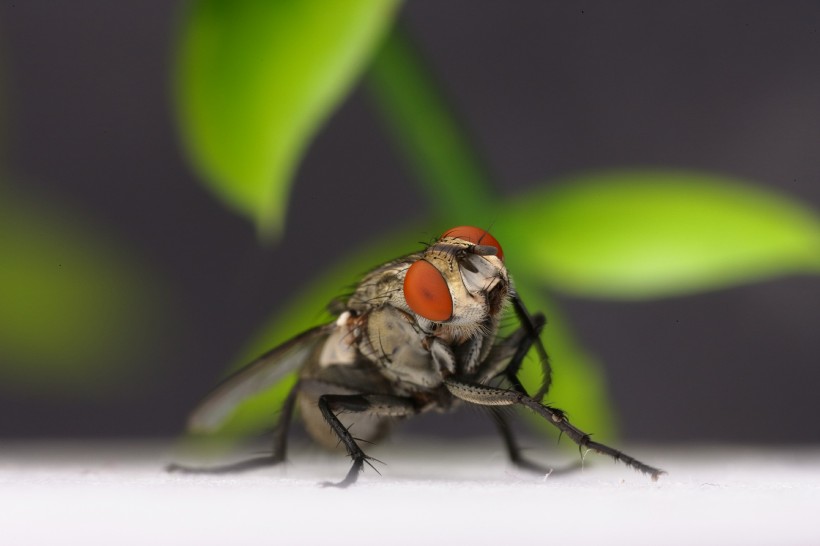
(429, 492)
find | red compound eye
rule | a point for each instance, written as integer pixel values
(476, 236)
(426, 292)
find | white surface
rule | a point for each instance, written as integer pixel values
(436, 493)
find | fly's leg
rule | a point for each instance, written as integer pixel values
(514, 450)
(280, 434)
(232, 468)
(510, 443)
(280, 444)
(524, 339)
(506, 357)
(380, 405)
(492, 396)
(532, 325)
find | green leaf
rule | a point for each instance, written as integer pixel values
(642, 234)
(255, 78)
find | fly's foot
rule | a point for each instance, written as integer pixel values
(353, 473)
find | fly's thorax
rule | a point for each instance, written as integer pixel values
(394, 342)
(382, 286)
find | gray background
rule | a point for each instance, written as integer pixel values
(546, 89)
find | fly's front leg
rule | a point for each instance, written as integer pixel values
(280, 444)
(380, 405)
(506, 357)
(532, 325)
(443, 357)
(523, 340)
(492, 396)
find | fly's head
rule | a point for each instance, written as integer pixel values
(459, 286)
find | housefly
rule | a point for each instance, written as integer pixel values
(418, 334)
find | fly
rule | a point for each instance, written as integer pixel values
(418, 334)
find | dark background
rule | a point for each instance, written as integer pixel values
(545, 88)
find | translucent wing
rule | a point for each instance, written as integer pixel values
(259, 375)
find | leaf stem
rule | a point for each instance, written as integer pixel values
(426, 130)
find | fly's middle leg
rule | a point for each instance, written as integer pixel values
(379, 405)
(484, 395)
(511, 445)
(514, 449)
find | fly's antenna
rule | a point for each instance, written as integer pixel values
(484, 250)
(486, 232)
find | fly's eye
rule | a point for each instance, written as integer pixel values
(476, 236)
(426, 292)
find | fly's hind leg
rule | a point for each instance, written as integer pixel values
(280, 445)
(378, 405)
(280, 434)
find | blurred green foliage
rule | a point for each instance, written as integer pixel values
(614, 234)
(648, 233)
(79, 310)
(73, 301)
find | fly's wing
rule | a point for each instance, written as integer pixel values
(254, 378)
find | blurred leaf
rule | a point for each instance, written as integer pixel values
(426, 130)
(73, 303)
(641, 234)
(256, 78)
